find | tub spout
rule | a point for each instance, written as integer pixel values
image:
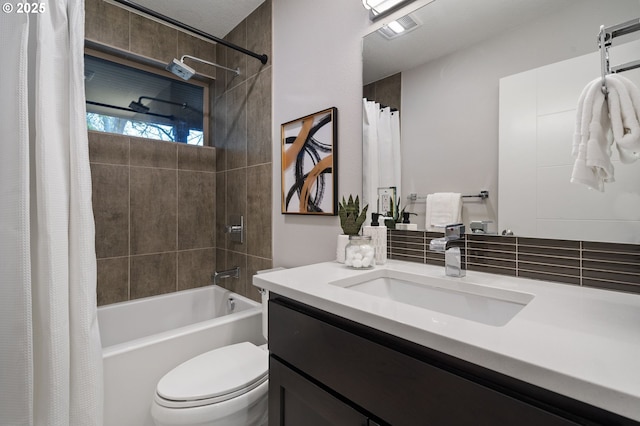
(229, 273)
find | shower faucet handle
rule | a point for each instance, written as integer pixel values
(235, 229)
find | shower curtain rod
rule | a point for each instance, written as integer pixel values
(135, 6)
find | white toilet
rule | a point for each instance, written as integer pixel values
(223, 387)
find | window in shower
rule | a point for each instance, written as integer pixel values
(131, 101)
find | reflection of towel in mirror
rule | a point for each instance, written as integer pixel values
(592, 139)
(624, 112)
(443, 208)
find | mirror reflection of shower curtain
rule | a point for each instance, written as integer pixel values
(50, 353)
(381, 163)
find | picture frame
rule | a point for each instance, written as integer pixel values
(309, 164)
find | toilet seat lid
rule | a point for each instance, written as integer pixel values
(215, 373)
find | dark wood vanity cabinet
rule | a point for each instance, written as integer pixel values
(302, 402)
(326, 370)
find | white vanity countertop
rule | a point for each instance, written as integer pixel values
(580, 342)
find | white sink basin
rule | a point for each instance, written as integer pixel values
(474, 302)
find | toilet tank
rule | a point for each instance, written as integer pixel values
(265, 304)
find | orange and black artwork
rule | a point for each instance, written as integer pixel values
(309, 181)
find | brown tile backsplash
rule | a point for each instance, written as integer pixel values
(565, 279)
(611, 285)
(603, 265)
(611, 247)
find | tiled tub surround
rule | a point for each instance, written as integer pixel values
(240, 131)
(154, 209)
(593, 264)
(243, 141)
(116, 28)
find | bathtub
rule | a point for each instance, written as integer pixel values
(145, 338)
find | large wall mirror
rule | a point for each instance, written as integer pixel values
(452, 75)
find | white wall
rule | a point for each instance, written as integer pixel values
(317, 63)
(450, 105)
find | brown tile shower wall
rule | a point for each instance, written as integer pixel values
(601, 265)
(242, 137)
(241, 133)
(154, 209)
(387, 91)
(115, 27)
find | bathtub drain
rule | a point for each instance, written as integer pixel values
(231, 304)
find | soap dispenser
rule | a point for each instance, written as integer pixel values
(378, 234)
(406, 224)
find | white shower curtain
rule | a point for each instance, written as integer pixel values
(50, 355)
(381, 164)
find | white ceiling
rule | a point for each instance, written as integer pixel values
(216, 17)
(446, 26)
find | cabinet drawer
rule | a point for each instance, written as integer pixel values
(397, 388)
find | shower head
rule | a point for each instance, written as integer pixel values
(181, 69)
(184, 71)
(138, 107)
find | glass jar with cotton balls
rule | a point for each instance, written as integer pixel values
(360, 253)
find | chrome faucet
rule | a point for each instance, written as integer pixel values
(229, 273)
(453, 263)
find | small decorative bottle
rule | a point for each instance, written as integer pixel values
(360, 253)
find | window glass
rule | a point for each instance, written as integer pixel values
(133, 102)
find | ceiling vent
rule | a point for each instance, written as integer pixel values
(398, 27)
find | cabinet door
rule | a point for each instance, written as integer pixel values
(295, 401)
(392, 385)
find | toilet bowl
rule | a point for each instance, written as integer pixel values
(224, 387)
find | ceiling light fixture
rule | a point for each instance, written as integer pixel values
(379, 8)
(398, 27)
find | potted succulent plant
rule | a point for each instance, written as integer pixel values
(351, 220)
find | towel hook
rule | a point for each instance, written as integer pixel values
(604, 58)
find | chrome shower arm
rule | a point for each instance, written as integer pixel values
(236, 71)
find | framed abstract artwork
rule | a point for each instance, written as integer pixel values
(309, 164)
